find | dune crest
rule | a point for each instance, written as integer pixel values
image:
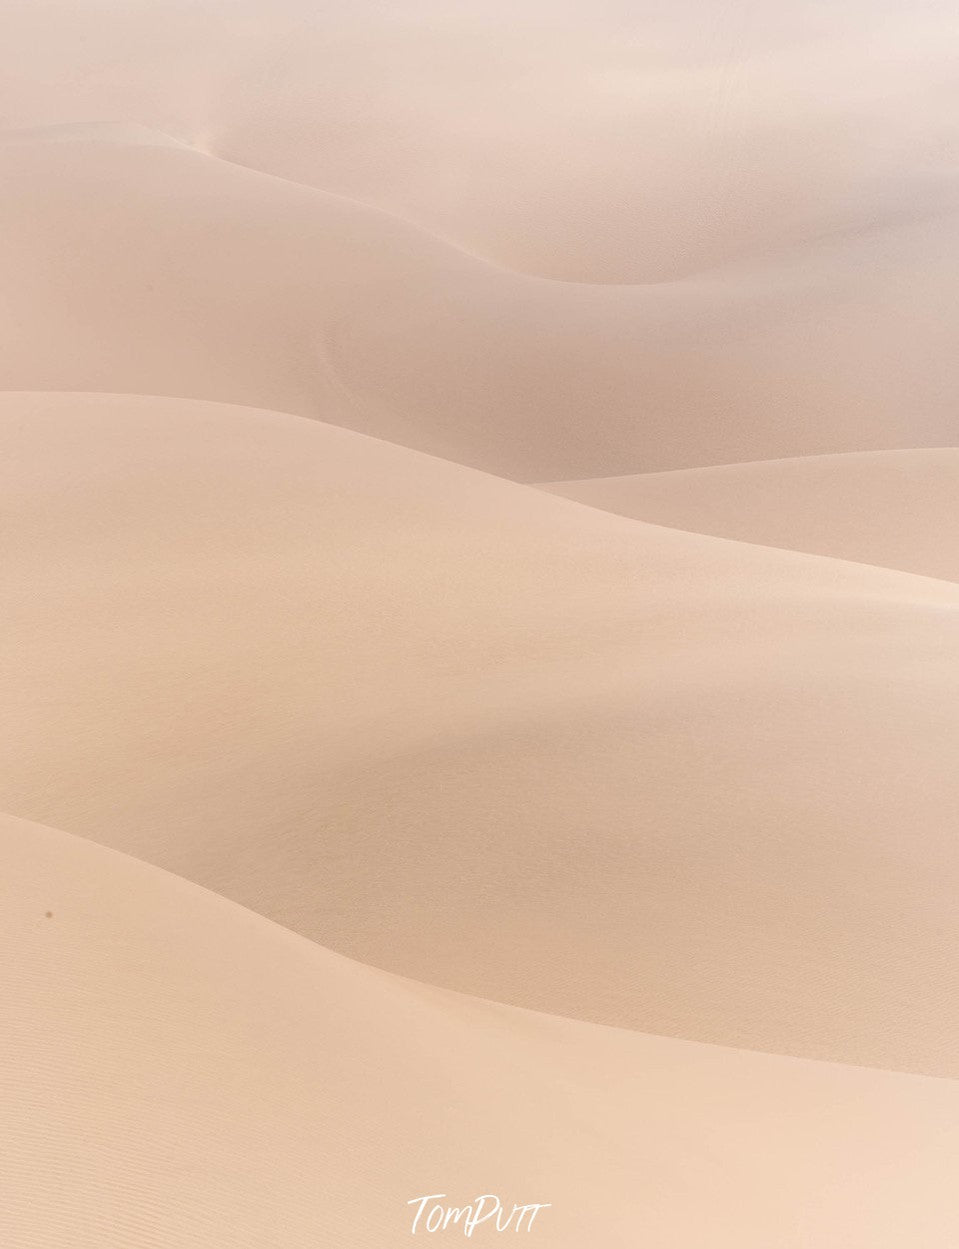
(187, 1096)
(892, 508)
(155, 269)
(485, 737)
(617, 142)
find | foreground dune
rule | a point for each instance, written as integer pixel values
(472, 733)
(133, 263)
(895, 509)
(180, 1072)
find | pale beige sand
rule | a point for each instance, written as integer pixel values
(625, 140)
(895, 509)
(473, 733)
(133, 264)
(640, 769)
(179, 1072)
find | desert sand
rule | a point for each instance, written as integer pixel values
(429, 717)
(894, 509)
(479, 623)
(135, 263)
(193, 1075)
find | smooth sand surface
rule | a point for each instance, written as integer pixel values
(297, 300)
(481, 736)
(179, 1072)
(619, 141)
(133, 264)
(895, 509)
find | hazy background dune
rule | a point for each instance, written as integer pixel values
(134, 264)
(617, 141)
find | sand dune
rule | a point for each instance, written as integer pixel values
(472, 733)
(895, 509)
(133, 264)
(193, 1076)
(595, 142)
(424, 830)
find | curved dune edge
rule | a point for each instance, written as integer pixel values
(605, 142)
(895, 509)
(484, 737)
(126, 134)
(592, 843)
(178, 1071)
(155, 269)
(132, 135)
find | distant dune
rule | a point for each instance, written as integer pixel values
(136, 265)
(895, 509)
(620, 141)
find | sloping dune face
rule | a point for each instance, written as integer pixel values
(622, 141)
(136, 264)
(474, 734)
(379, 829)
(897, 510)
(194, 1076)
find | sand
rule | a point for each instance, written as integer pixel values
(619, 141)
(431, 718)
(137, 264)
(187, 1074)
(479, 621)
(894, 509)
